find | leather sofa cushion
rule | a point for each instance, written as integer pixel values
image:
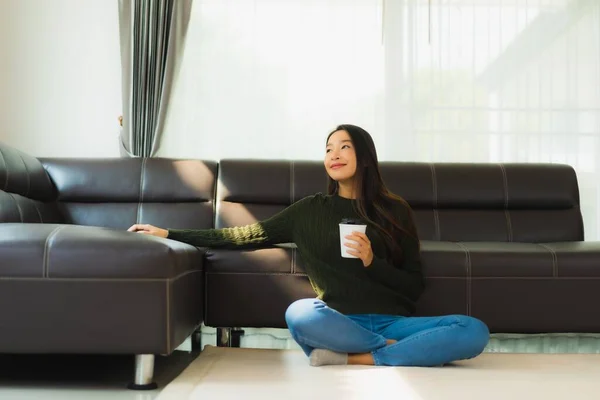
(117, 193)
(260, 261)
(440, 260)
(483, 185)
(69, 251)
(18, 208)
(132, 180)
(529, 260)
(192, 215)
(26, 192)
(468, 202)
(24, 175)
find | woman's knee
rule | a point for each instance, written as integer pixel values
(302, 312)
(476, 334)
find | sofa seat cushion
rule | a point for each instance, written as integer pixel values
(576, 259)
(501, 259)
(441, 260)
(259, 261)
(513, 260)
(72, 251)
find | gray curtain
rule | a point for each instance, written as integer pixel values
(152, 35)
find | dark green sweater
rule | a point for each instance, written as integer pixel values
(343, 283)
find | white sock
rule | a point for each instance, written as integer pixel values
(320, 357)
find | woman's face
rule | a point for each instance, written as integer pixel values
(340, 157)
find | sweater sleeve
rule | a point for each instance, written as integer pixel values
(406, 278)
(274, 230)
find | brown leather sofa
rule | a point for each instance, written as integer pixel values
(501, 242)
(72, 280)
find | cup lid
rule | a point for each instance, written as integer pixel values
(351, 221)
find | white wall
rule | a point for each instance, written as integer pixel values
(60, 78)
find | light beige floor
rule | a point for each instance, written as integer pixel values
(267, 374)
(226, 373)
(59, 377)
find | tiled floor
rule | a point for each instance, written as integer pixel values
(67, 377)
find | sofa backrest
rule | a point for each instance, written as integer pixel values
(251, 190)
(119, 192)
(451, 201)
(26, 192)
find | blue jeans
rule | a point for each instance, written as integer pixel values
(421, 341)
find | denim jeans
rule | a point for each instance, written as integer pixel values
(421, 341)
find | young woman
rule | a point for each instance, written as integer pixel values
(362, 312)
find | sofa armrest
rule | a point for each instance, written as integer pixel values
(575, 259)
(72, 251)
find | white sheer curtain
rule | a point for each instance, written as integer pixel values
(439, 80)
(270, 78)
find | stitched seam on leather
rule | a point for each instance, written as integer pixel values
(218, 196)
(214, 195)
(506, 211)
(436, 220)
(45, 270)
(292, 195)
(468, 277)
(141, 196)
(554, 259)
(38, 211)
(436, 215)
(183, 274)
(151, 280)
(6, 168)
(434, 182)
(256, 273)
(505, 182)
(293, 261)
(26, 173)
(18, 206)
(168, 315)
(543, 278)
(509, 225)
(292, 183)
(448, 277)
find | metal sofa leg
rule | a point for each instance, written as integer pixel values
(236, 337)
(224, 337)
(197, 340)
(144, 373)
(229, 337)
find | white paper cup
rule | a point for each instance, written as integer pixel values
(347, 229)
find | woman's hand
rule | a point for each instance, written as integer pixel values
(149, 230)
(362, 247)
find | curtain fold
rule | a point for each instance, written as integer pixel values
(152, 35)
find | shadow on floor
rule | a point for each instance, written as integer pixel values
(22, 372)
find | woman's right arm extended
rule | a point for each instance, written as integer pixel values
(277, 229)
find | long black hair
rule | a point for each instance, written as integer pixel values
(374, 202)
